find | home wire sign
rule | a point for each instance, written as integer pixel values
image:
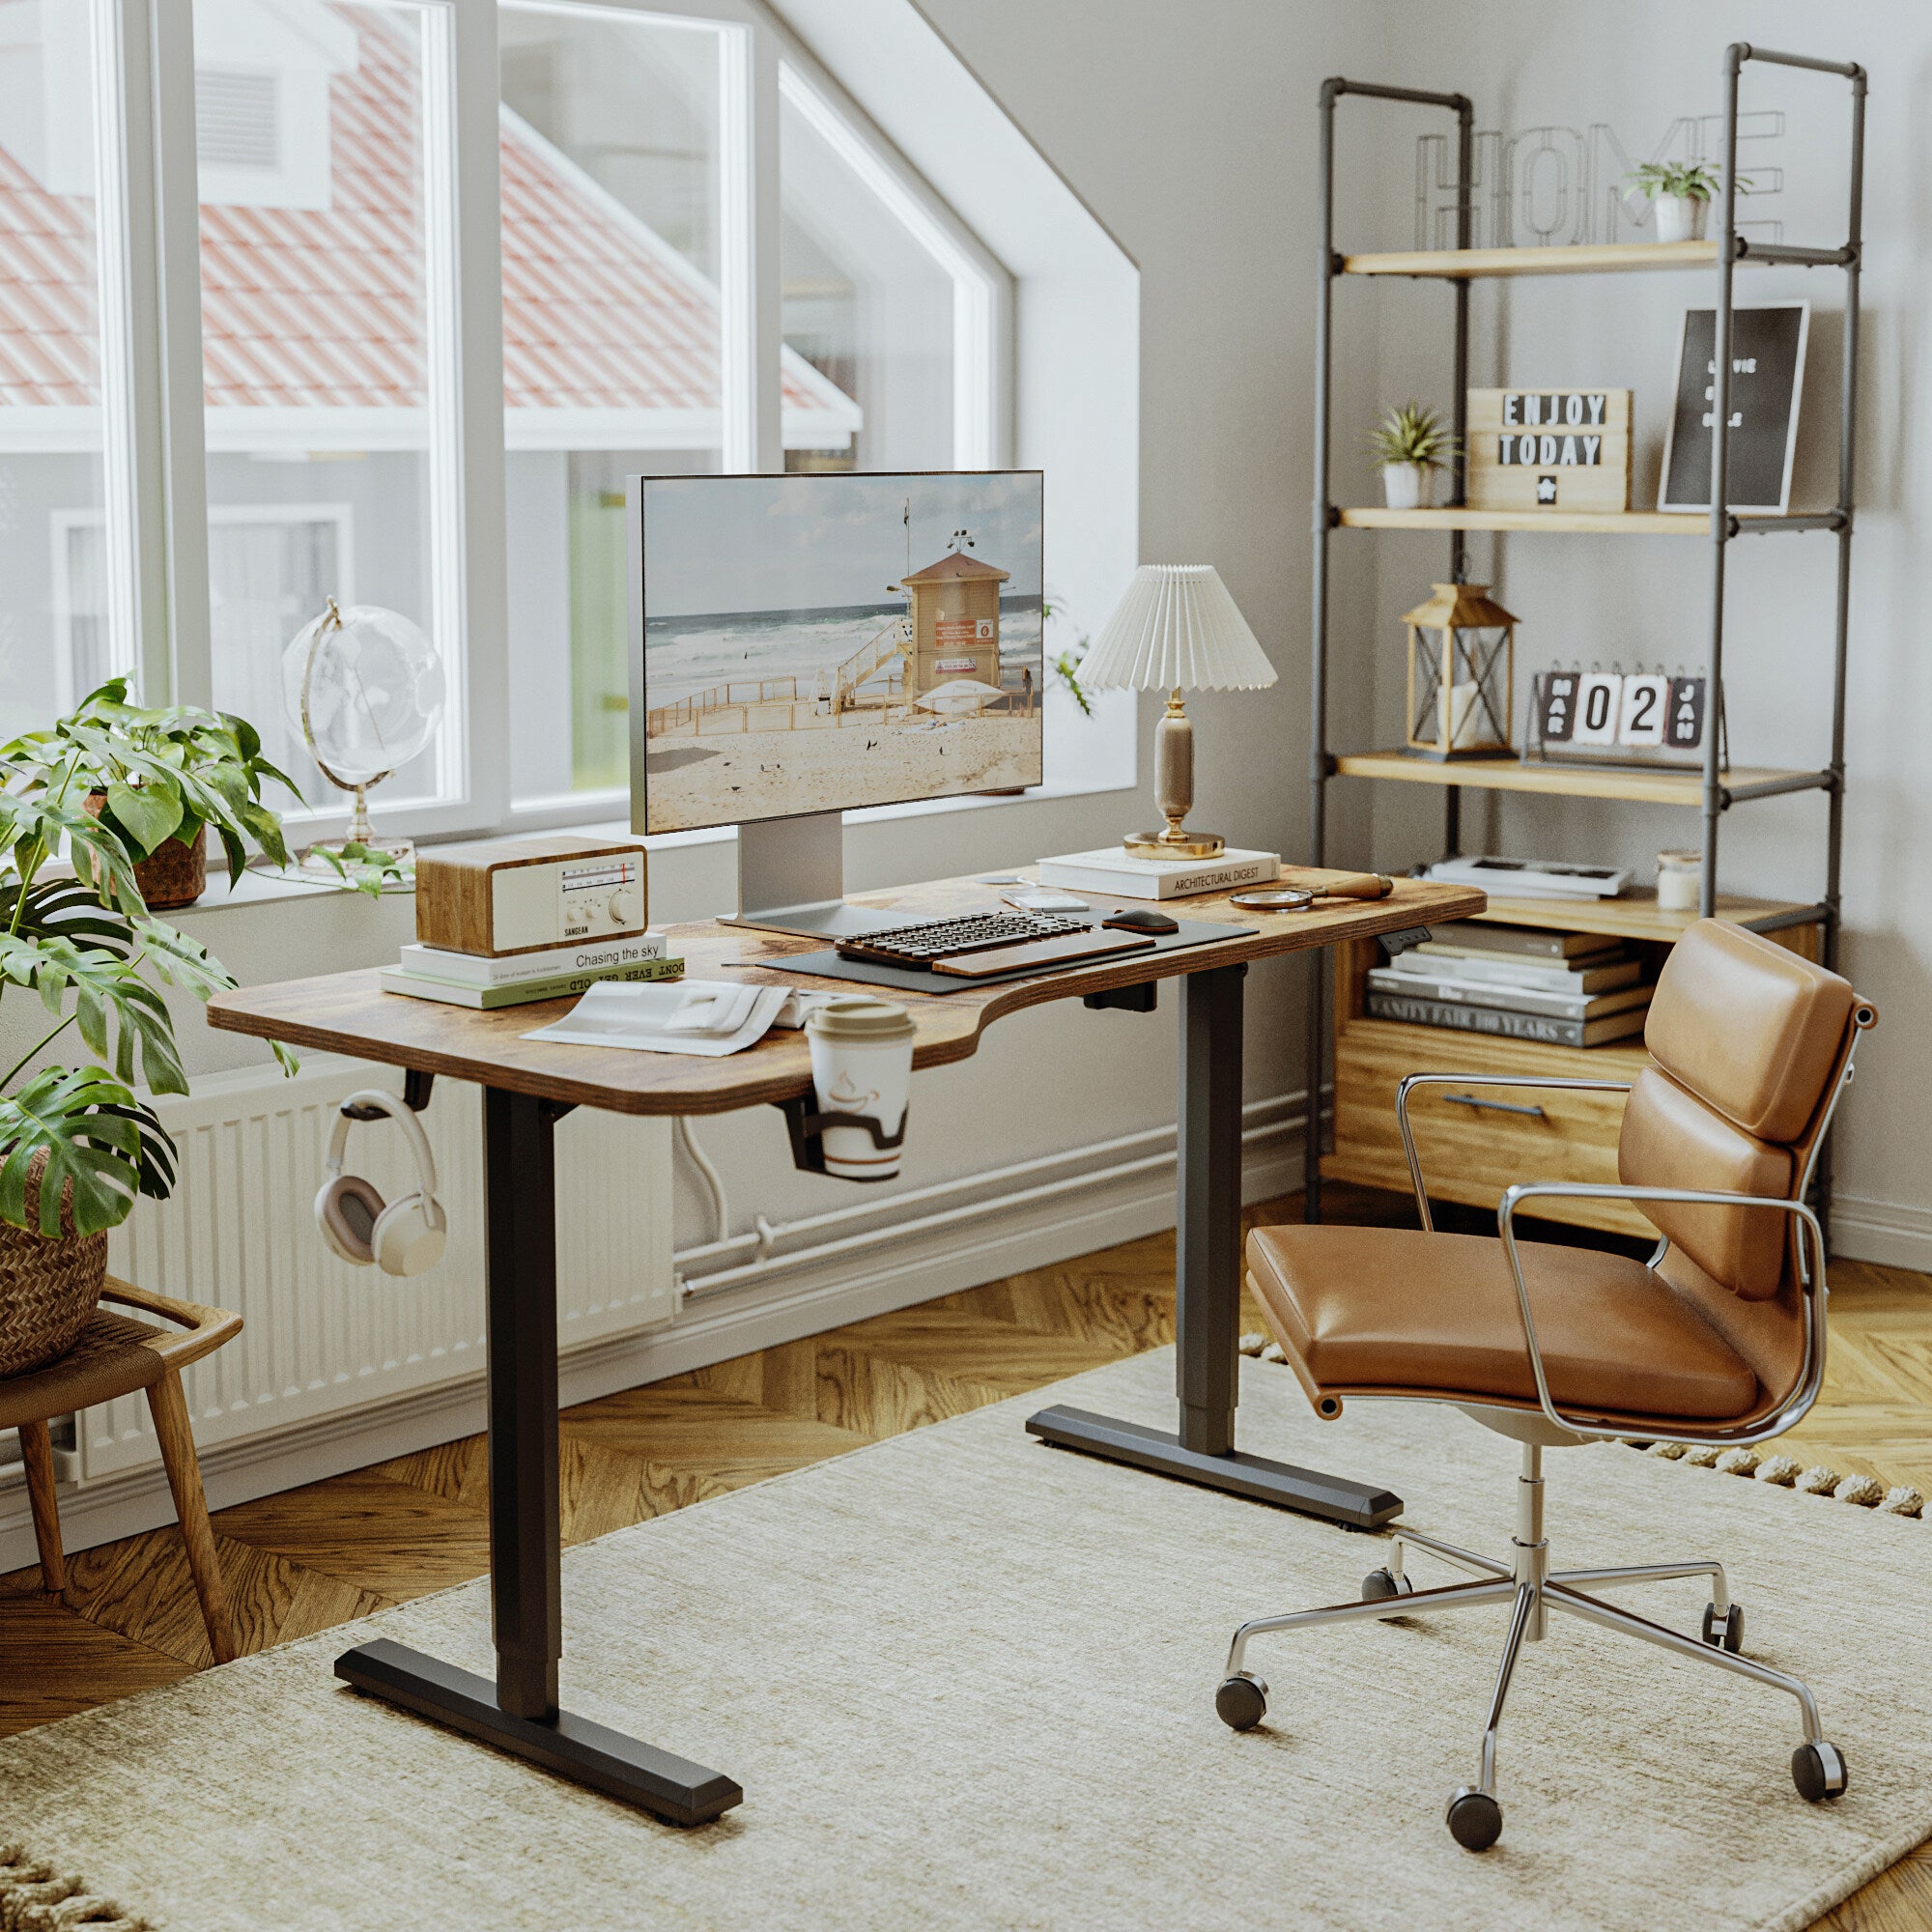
(1550, 449)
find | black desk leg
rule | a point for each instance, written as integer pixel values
(1208, 1304)
(519, 1713)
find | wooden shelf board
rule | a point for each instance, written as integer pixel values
(1651, 787)
(1575, 523)
(1633, 916)
(1586, 259)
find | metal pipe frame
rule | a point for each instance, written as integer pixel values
(1320, 764)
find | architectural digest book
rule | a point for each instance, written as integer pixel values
(1111, 869)
(1512, 1026)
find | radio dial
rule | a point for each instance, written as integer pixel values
(623, 906)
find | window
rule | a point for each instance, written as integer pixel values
(708, 259)
(62, 623)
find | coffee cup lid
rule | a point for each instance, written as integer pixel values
(860, 1018)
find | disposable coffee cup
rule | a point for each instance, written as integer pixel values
(860, 1063)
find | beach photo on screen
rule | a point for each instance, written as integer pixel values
(819, 642)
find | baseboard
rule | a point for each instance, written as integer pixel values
(795, 1301)
(1881, 1231)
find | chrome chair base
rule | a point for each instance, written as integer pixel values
(1474, 1815)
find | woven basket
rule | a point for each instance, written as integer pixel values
(48, 1287)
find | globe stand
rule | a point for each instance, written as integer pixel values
(332, 858)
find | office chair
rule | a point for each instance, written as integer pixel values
(1718, 1338)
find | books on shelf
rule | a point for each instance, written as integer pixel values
(1532, 987)
(470, 969)
(1587, 975)
(1538, 1027)
(1531, 942)
(1533, 878)
(1554, 1003)
(524, 992)
(1113, 870)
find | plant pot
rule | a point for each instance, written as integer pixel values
(1681, 217)
(175, 874)
(1408, 486)
(48, 1287)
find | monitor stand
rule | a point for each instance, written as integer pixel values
(791, 878)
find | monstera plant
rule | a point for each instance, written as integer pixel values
(80, 804)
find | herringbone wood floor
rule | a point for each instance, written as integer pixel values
(317, 1556)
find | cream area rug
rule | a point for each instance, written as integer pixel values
(967, 1682)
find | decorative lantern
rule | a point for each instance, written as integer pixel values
(1461, 668)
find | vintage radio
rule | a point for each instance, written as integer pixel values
(525, 895)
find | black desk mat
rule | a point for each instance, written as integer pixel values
(830, 966)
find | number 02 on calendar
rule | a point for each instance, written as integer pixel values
(1599, 713)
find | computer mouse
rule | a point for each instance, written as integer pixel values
(1136, 919)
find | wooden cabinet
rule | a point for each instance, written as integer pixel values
(1474, 1144)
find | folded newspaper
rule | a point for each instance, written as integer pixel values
(712, 1017)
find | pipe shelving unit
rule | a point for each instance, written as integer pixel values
(1459, 266)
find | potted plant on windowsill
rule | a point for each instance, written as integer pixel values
(1409, 446)
(157, 780)
(1681, 193)
(78, 1145)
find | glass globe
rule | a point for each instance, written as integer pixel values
(364, 688)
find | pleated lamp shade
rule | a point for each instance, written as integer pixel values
(1178, 626)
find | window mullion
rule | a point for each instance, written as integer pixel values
(748, 293)
(466, 327)
(150, 249)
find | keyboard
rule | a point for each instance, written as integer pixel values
(924, 945)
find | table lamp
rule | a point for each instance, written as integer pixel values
(1177, 629)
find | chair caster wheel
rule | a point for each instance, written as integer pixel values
(1242, 1702)
(1728, 1631)
(1819, 1771)
(1474, 1818)
(1378, 1586)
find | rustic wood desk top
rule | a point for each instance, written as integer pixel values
(350, 1013)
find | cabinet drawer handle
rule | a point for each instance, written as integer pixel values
(1495, 1106)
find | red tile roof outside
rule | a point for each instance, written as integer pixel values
(321, 309)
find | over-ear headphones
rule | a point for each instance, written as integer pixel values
(403, 1237)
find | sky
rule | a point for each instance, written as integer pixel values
(734, 544)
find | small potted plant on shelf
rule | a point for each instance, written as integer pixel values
(1681, 192)
(78, 1145)
(1411, 444)
(157, 780)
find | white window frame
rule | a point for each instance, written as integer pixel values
(157, 431)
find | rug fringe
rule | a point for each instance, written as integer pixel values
(35, 1898)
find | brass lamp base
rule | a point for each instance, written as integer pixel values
(1174, 844)
(1174, 794)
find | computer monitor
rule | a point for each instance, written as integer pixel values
(804, 646)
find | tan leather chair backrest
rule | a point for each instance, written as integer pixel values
(1750, 1041)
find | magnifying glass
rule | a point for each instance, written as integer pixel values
(1299, 898)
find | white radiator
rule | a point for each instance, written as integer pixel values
(323, 1338)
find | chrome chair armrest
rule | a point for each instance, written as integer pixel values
(1805, 1390)
(1473, 1080)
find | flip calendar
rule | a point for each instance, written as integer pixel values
(1617, 717)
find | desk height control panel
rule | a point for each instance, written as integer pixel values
(504, 895)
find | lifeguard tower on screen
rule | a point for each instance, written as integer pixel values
(953, 610)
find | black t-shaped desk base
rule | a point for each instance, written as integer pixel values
(1207, 1296)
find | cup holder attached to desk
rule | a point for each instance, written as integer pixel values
(808, 1137)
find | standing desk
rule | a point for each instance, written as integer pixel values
(528, 1084)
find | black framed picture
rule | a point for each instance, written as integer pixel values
(1767, 380)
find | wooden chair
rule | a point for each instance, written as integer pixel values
(116, 1355)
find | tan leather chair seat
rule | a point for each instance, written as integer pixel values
(1393, 1309)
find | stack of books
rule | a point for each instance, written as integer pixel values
(520, 979)
(1560, 988)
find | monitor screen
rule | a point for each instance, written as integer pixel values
(820, 642)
